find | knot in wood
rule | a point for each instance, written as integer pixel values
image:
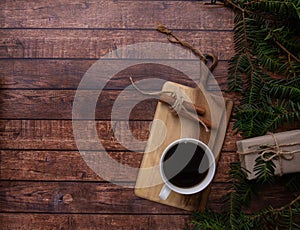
(67, 199)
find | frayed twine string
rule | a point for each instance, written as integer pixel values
(178, 104)
(174, 39)
(278, 151)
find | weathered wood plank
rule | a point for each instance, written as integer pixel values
(267, 194)
(87, 198)
(58, 104)
(114, 14)
(58, 135)
(60, 165)
(16, 196)
(70, 166)
(92, 221)
(67, 74)
(97, 43)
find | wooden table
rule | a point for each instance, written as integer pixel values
(45, 49)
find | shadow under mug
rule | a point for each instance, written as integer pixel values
(187, 166)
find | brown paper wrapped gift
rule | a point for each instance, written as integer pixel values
(283, 148)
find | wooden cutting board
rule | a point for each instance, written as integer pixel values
(166, 128)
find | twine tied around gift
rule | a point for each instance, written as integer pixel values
(177, 106)
(276, 151)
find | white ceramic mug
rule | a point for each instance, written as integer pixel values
(209, 163)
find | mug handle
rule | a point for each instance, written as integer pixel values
(164, 192)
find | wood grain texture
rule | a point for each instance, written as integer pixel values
(87, 198)
(94, 44)
(58, 104)
(58, 135)
(45, 50)
(94, 104)
(67, 74)
(60, 165)
(105, 198)
(100, 221)
(69, 165)
(114, 14)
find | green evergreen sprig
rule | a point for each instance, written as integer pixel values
(265, 70)
(240, 193)
(266, 45)
(264, 171)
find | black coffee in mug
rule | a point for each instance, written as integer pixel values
(185, 164)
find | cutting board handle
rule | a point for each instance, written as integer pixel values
(214, 61)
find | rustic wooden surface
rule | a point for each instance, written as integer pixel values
(45, 49)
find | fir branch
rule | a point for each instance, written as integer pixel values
(264, 170)
(288, 52)
(235, 80)
(257, 119)
(240, 192)
(284, 217)
(290, 205)
(264, 43)
(233, 217)
(269, 57)
(207, 220)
